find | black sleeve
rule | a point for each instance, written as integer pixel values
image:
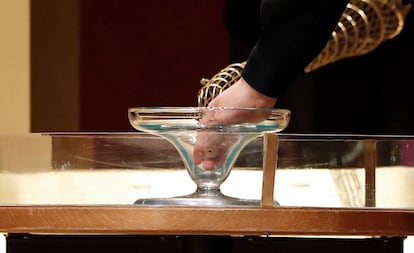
(293, 32)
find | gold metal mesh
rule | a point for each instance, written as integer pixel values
(364, 25)
(219, 82)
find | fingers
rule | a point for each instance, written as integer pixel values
(211, 149)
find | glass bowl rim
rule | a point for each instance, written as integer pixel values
(208, 108)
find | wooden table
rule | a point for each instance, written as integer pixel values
(121, 228)
(206, 221)
(44, 226)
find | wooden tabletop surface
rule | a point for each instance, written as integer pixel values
(198, 220)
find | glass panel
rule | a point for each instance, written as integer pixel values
(119, 168)
(345, 171)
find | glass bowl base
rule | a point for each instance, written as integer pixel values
(196, 200)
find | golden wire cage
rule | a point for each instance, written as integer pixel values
(363, 26)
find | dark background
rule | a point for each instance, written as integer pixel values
(92, 60)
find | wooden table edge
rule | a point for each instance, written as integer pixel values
(206, 221)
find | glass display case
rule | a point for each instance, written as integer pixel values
(328, 171)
